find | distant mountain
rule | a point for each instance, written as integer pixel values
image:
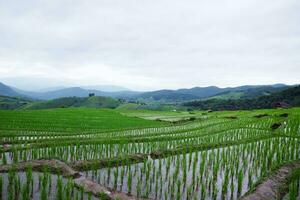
(160, 96)
(49, 89)
(197, 93)
(8, 91)
(106, 88)
(76, 92)
(249, 93)
(288, 96)
(165, 96)
(169, 96)
(201, 92)
(66, 102)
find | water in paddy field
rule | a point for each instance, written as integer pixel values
(16, 189)
(198, 175)
(161, 184)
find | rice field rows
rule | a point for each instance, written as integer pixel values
(223, 155)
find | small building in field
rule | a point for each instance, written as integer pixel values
(91, 94)
(281, 104)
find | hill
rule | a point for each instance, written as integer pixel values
(5, 90)
(165, 96)
(106, 88)
(290, 96)
(197, 93)
(248, 93)
(76, 92)
(12, 103)
(88, 102)
(159, 96)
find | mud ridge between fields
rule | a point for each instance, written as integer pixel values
(274, 186)
(59, 167)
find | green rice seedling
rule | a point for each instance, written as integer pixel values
(190, 158)
(15, 156)
(178, 192)
(49, 183)
(81, 193)
(40, 181)
(184, 168)
(240, 181)
(147, 192)
(59, 194)
(215, 191)
(122, 175)
(225, 183)
(116, 175)
(11, 183)
(25, 192)
(43, 193)
(232, 182)
(203, 192)
(4, 160)
(161, 186)
(189, 193)
(156, 186)
(250, 180)
(138, 188)
(202, 164)
(293, 190)
(129, 181)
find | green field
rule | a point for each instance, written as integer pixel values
(148, 154)
(70, 120)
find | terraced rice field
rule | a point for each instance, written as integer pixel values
(102, 154)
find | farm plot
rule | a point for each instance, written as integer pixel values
(222, 156)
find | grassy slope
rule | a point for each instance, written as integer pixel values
(10, 103)
(229, 95)
(290, 96)
(70, 119)
(89, 102)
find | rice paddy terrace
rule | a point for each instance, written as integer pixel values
(103, 154)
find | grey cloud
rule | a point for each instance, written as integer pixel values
(151, 44)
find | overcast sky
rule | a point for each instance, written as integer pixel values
(149, 44)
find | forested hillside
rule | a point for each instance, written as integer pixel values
(289, 97)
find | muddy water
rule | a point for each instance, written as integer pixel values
(163, 184)
(36, 190)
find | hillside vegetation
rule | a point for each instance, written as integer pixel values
(291, 96)
(7, 91)
(11, 103)
(88, 102)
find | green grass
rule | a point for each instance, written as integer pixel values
(226, 96)
(66, 102)
(70, 119)
(9, 103)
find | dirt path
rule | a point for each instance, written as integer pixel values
(275, 186)
(85, 165)
(60, 167)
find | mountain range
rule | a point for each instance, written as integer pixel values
(162, 96)
(215, 98)
(289, 97)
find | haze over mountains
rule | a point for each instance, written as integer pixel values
(179, 95)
